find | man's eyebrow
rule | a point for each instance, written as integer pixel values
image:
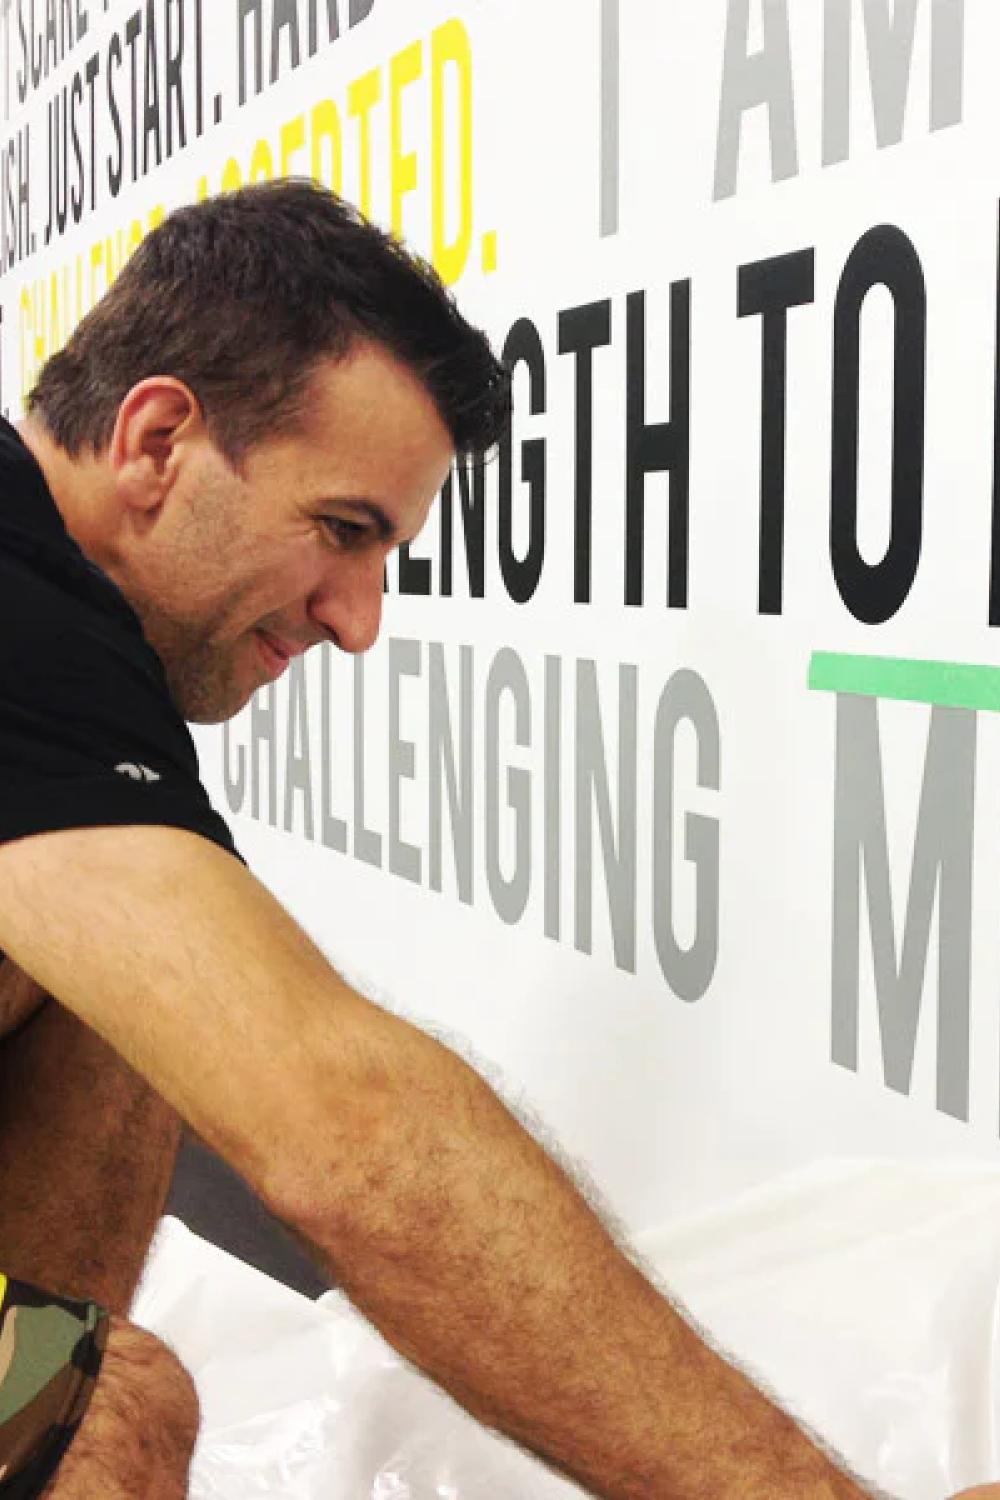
(382, 522)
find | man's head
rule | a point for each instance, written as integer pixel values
(241, 297)
(264, 404)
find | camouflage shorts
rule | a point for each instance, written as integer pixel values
(50, 1355)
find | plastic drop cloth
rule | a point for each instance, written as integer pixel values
(865, 1295)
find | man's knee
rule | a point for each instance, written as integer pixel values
(127, 1433)
(146, 1383)
(140, 1429)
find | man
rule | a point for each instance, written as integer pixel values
(265, 405)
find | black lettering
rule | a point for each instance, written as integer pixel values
(37, 54)
(360, 11)
(23, 201)
(521, 575)
(91, 72)
(82, 20)
(5, 148)
(883, 257)
(51, 176)
(285, 16)
(581, 331)
(199, 72)
(332, 24)
(133, 31)
(658, 447)
(151, 94)
(174, 83)
(6, 57)
(414, 573)
(9, 220)
(115, 171)
(78, 194)
(767, 289)
(472, 499)
(50, 50)
(59, 157)
(245, 9)
(22, 72)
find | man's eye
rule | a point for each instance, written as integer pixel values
(347, 533)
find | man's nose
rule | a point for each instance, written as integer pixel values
(349, 607)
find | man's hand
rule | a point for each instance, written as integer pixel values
(981, 1492)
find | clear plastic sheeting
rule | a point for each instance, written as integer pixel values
(865, 1295)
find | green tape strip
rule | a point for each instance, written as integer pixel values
(952, 684)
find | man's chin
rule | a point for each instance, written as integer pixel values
(202, 702)
(205, 712)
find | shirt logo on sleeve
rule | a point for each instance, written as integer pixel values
(137, 773)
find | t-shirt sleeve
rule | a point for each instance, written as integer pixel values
(89, 735)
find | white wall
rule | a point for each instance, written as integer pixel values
(647, 909)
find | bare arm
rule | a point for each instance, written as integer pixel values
(444, 1221)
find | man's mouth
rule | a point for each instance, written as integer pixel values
(275, 656)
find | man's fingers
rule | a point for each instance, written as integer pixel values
(981, 1492)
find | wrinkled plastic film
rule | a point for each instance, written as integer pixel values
(866, 1296)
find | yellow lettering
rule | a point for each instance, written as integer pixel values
(232, 177)
(451, 51)
(26, 331)
(325, 124)
(96, 264)
(55, 319)
(261, 163)
(407, 67)
(293, 140)
(363, 94)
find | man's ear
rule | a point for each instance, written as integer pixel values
(157, 422)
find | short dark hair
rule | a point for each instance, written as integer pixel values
(241, 296)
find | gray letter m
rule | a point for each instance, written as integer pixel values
(942, 867)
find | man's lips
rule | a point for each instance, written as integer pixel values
(276, 655)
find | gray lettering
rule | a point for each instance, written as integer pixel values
(890, 36)
(610, 114)
(443, 768)
(333, 830)
(234, 782)
(749, 80)
(618, 848)
(507, 678)
(298, 770)
(947, 64)
(264, 732)
(553, 863)
(404, 661)
(688, 971)
(942, 866)
(367, 843)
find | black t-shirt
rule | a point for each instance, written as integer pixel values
(89, 734)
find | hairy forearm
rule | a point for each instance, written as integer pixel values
(446, 1223)
(86, 1155)
(473, 1254)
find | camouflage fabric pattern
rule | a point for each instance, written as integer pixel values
(50, 1355)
